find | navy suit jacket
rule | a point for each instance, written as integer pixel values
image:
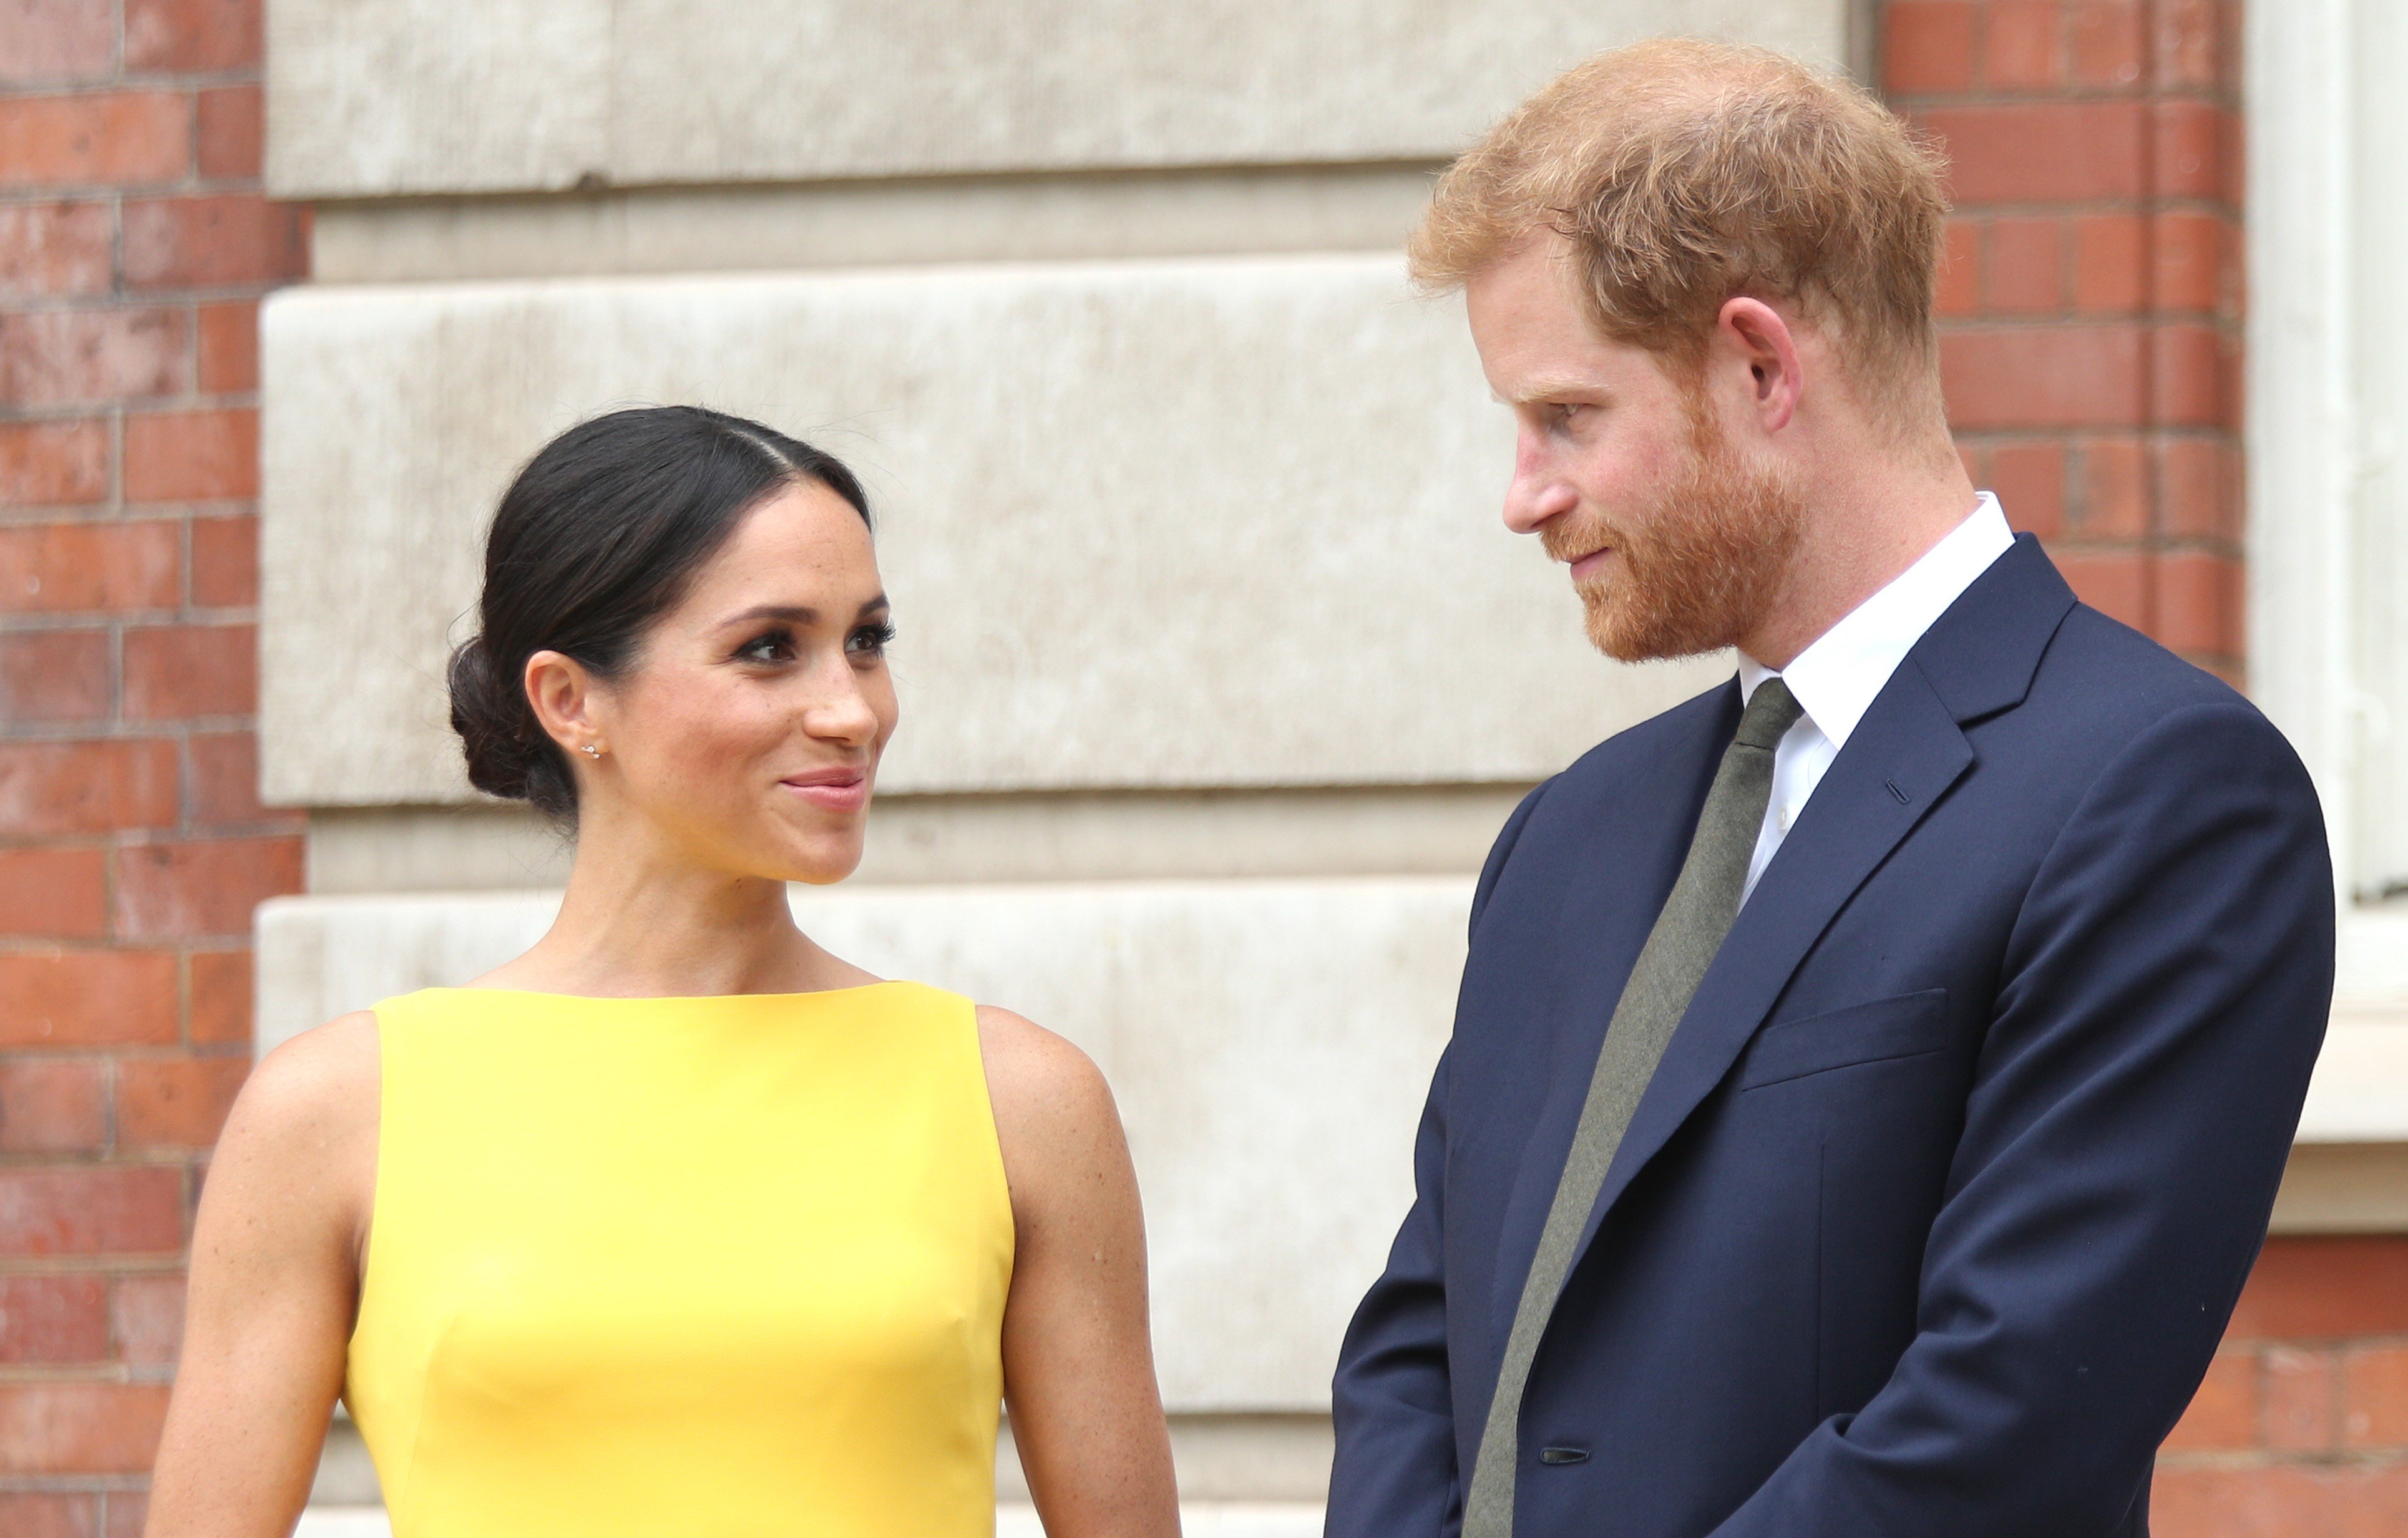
(1938, 1203)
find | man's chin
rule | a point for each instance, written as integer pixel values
(1626, 637)
(1610, 631)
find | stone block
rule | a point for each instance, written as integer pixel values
(381, 97)
(1012, 1519)
(2344, 1188)
(791, 226)
(920, 840)
(400, 95)
(1205, 1003)
(1199, 1519)
(1225, 522)
(2359, 1093)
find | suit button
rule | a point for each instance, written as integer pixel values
(1563, 1455)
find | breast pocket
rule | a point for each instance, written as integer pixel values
(1906, 1025)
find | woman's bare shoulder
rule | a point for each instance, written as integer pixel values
(1049, 1099)
(318, 1091)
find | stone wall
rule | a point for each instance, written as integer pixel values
(1218, 669)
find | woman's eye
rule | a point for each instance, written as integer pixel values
(870, 639)
(773, 647)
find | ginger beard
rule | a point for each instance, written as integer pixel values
(1701, 568)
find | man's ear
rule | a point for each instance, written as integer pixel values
(1753, 335)
(561, 691)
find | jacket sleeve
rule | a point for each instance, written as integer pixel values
(2161, 1003)
(1395, 1474)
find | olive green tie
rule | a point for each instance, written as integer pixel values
(1699, 913)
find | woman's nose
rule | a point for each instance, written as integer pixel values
(843, 712)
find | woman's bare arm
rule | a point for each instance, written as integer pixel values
(1077, 1360)
(275, 1281)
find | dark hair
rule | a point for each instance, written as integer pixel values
(596, 538)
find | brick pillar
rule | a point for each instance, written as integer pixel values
(2090, 315)
(134, 247)
(2090, 305)
(2302, 1428)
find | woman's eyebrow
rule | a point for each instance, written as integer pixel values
(790, 613)
(798, 614)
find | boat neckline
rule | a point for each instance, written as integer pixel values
(669, 998)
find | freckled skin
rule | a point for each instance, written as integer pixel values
(1601, 429)
(769, 668)
(722, 703)
(1604, 435)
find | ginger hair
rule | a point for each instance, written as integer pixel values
(1685, 174)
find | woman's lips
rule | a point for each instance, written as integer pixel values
(836, 790)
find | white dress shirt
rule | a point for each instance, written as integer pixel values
(1837, 678)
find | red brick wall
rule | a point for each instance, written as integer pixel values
(2302, 1428)
(134, 247)
(2091, 302)
(2090, 315)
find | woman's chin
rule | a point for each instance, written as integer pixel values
(819, 862)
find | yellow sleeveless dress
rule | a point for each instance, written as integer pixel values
(705, 1267)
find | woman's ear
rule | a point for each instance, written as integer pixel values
(561, 691)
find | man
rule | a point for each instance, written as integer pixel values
(1870, 1079)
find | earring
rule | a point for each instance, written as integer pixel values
(590, 750)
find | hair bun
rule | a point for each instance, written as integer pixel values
(509, 755)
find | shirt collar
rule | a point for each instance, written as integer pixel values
(1837, 677)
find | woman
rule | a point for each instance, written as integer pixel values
(676, 1224)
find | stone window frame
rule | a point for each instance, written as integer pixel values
(2327, 436)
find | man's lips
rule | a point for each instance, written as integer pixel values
(835, 789)
(1591, 564)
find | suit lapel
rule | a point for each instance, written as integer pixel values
(1849, 827)
(1910, 747)
(1598, 954)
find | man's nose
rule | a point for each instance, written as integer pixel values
(1538, 494)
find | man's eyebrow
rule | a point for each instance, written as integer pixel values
(1549, 384)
